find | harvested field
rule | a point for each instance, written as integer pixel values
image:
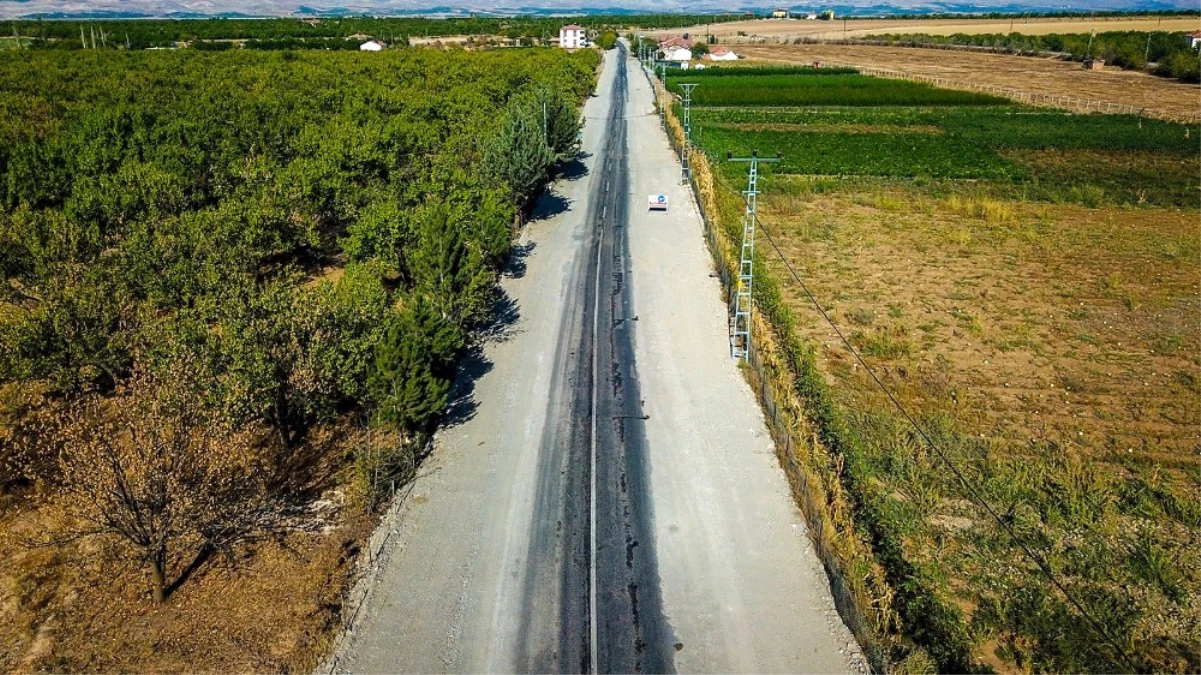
(836, 30)
(1049, 77)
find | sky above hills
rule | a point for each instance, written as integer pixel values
(196, 8)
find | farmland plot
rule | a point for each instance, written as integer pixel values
(1026, 283)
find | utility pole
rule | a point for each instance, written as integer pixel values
(545, 131)
(1147, 51)
(684, 167)
(740, 343)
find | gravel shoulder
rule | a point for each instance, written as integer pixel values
(741, 585)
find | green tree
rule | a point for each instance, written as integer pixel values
(607, 40)
(518, 154)
(409, 380)
(452, 277)
(561, 120)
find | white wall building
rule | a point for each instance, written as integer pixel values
(677, 54)
(572, 37)
(721, 54)
(371, 46)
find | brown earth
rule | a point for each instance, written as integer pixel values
(853, 28)
(1029, 322)
(1033, 75)
(84, 606)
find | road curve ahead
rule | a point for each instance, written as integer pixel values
(605, 498)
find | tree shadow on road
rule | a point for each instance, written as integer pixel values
(462, 405)
(515, 267)
(574, 169)
(549, 205)
(474, 365)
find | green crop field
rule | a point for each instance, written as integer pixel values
(1025, 282)
(841, 153)
(1051, 155)
(816, 88)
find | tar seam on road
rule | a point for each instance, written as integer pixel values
(592, 631)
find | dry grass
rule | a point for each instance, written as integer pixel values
(83, 607)
(1047, 321)
(1032, 75)
(1054, 351)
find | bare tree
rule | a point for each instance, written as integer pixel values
(153, 469)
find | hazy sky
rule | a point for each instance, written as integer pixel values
(19, 8)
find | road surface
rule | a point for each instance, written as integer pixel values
(606, 497)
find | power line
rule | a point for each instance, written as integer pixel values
(1005, 525)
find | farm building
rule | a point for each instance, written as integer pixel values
(677, 54)
(811, 16)
(371, 46)
(572, 37)
(722, 54)
(672, 41)
(779, 14)
(1094, 64)
(1194, 39)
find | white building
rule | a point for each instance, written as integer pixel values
(1194, 39)
(572, 37)
(371, 46)
(721, 54)
(677, 54)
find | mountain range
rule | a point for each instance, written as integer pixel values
(127, 9)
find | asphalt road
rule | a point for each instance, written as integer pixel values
(605, 497)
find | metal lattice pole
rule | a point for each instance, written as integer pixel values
(740, 342)
(687, 147)
(662, 105)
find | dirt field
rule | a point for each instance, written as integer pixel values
(1051, 321)
(779, 28)
(1022, 73)
(84, 606)
(1060, 338)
